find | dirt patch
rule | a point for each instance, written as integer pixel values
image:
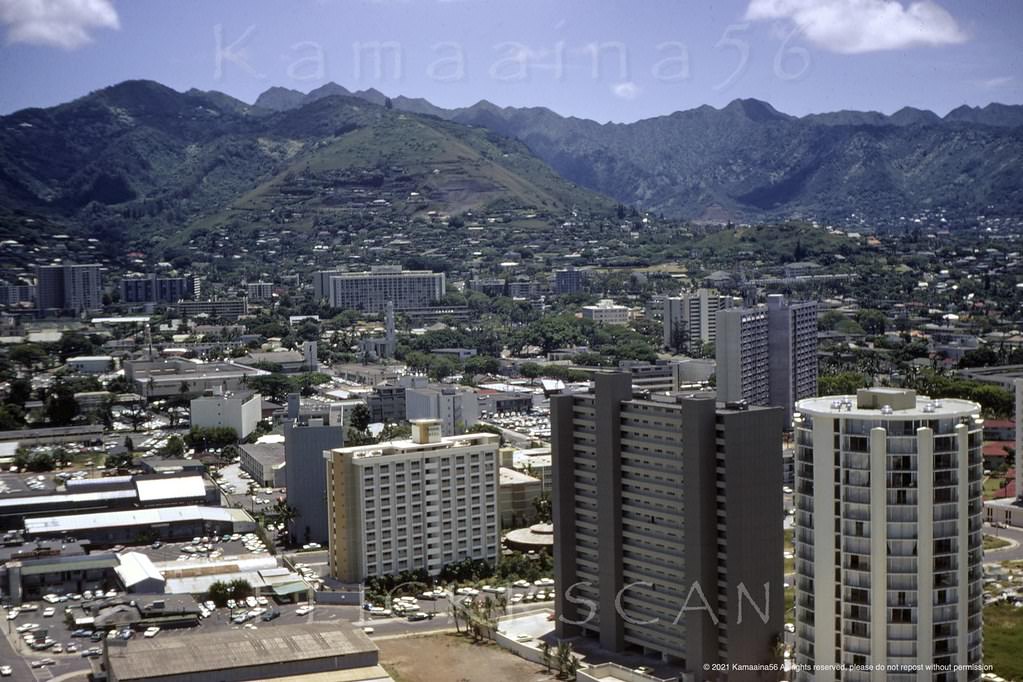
(453, 658)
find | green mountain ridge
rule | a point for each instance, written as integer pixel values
(139, 160)
(748, 161)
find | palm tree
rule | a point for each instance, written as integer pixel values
(563, 656)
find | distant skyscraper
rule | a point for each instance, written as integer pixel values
(690, 320)
(69, 287)
(569, 281)
(767, 355)
(888, 537)
(658, 497)
(371, 291)
(259, 291)
(152, 289)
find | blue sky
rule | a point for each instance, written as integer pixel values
(617, 60)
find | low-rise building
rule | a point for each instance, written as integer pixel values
(607, 312)
(516, 497)
(240, 655)
(91, 364)
(455, 408)
(180, 376)
(264, 462)
(239, 411)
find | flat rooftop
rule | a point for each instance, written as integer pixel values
(922, 407)
(406, 447)
(190, 654)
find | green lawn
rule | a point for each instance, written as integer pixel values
(991, 485)
(991, 542)
(1003, 640)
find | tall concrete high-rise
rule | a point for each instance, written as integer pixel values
(306, 438)
(412, 504)
(767, 355)
(668, 525)
(1019, 439)
(690, 320)
(888, 537)
(69, 287)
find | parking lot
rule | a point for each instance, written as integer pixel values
(235, 483)
(381, 624)
(217, 547)
(20, 484)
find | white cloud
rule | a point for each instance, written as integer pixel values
(855, 26)
(626, 90)
(56, 23)
(997, 82)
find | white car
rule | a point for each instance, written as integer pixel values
(6, 671)
(48, 612)
(151, 632)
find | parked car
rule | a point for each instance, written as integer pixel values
(151, 632)
(270, 615)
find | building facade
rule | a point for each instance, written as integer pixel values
(69, 287)
(657, 498)
(305, 440)
(370, 291)
(767, 355)
(690, 320)
(607, 312)
(405, 505)
(153, 289)
(227, 308)
(568, 281)
(455, 408)
(239, 411)
(888, 536)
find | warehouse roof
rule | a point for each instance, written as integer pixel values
(136, 568)
(132, 517)
(192, 654)
(170, 488)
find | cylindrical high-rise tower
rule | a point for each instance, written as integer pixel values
(888, 537)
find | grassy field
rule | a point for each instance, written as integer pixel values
(1003, 640)
(991, 485)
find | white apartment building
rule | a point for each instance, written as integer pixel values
(888, 536)
(690, 320)
(455, 408)
(239, 411)
(370, 291)
(419, 503)
(607, 312)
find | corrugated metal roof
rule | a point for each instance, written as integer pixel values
(135, 568)
(87, 562)
(170, 488)
(132, 517)
(139, 659)
(70, 498)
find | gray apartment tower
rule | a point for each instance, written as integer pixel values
(668, 525)
(306, 438)
(767, 355)
(69, 287)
